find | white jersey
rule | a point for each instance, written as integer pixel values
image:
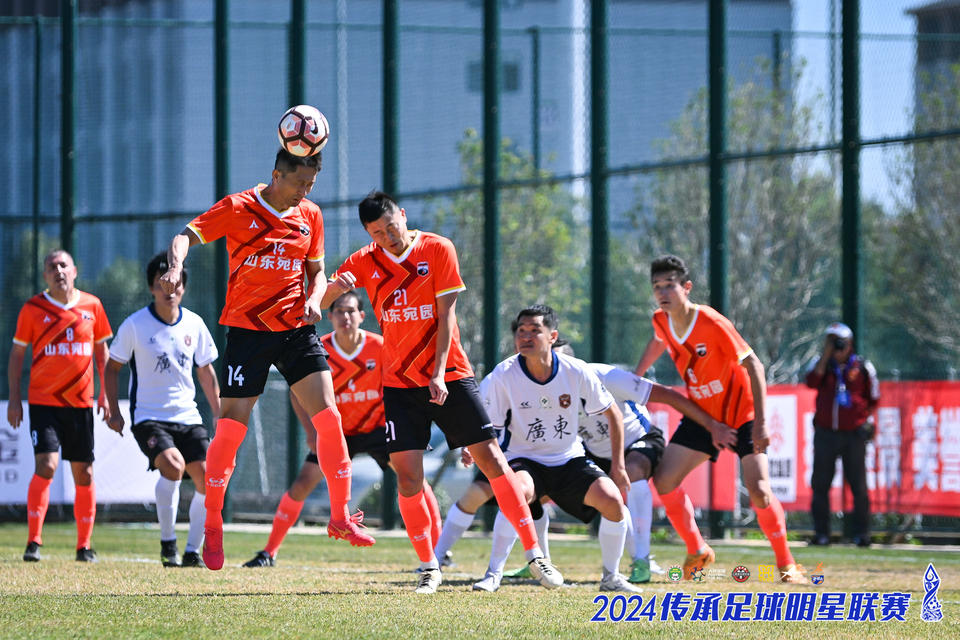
(542, 418)
(631, 392)
(161, 358)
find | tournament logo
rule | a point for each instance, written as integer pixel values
(187, 340)
(675, 574)
(816, 578)
(932, 611)
(371, 365)
(701, 349)
(423, 268)
(544, 403)
(766, 572)
(740, 573)
(698, 574)
(565, 400)
(304, 230)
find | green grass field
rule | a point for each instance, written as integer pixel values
(326, 589)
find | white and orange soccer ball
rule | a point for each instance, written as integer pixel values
(303, 131)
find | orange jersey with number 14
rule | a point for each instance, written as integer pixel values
(404, 291)
(708, 358)
(268, 250)
(62, 337)
(357, 383)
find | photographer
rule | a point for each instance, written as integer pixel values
(847, 396)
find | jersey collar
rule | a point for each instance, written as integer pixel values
(153, 311)
(72, 303)
(406, 253)
(344, 354)
(553, 372)
(693, 323)
(265, 205)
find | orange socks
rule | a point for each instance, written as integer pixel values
(286, 516)
(680, 513)
(515, 508)
(774, 526)
(38, 499)
(334, 460)
(84, 511)
(221, 460)
(416, 518)
(436, 519)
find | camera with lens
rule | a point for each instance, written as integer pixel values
(839, 344)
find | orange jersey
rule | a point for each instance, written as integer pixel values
(357, 383)
(404, 290)
(62, 336)
(708, 359)
(268, 250)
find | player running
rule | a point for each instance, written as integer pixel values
(413, 279)
(162, 343)
(726, 379)
(68, 330)
(275, 242)
(354, 359)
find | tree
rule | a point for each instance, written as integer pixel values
(783, 235)
(543, 248)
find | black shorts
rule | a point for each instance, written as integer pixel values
(567, 484)
(410, 414)
(693, 436)
(246, 361)
(374, 444)
(68, 429)
(155, 437)
(650, 444)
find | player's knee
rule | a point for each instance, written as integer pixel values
(171, 464)
(760, 496)
(638, 467)
(45, 468)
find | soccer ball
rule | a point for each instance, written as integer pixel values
(303, 130)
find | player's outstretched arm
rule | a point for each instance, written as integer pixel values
(211, 388)
(110, 385)
(176, 254)
(653, 350)
(14, 368)
(446, 322)
(100, 356)
(722, 435)
(758, 384)
(618, 469)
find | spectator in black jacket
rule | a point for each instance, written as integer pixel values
(847, 396)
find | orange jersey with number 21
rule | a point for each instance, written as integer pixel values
(404, 290)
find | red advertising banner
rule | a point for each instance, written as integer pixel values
(913, 463)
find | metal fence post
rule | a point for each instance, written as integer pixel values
(850, 165)
(599, 196)
(491, 177)
(37, 145)
(68, 121)
(718, 198)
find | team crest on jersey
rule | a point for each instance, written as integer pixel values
(304, 230)
(371, 364)
(86, 315)
(701, 349)
(564, 400)
(423, 268)
(187, 340)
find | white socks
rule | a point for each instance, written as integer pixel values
(168, 499)
(612, 536)
(640, 503)
(198, 514)
(504, 537)
(541, 526)
(454, 526)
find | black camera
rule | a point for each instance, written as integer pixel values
(839, 344)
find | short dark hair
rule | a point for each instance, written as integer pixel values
(550, 319)
(670, 263)
(158, 265)
(286, 162)
(55, 252)
(375, 205)
(350, 293)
